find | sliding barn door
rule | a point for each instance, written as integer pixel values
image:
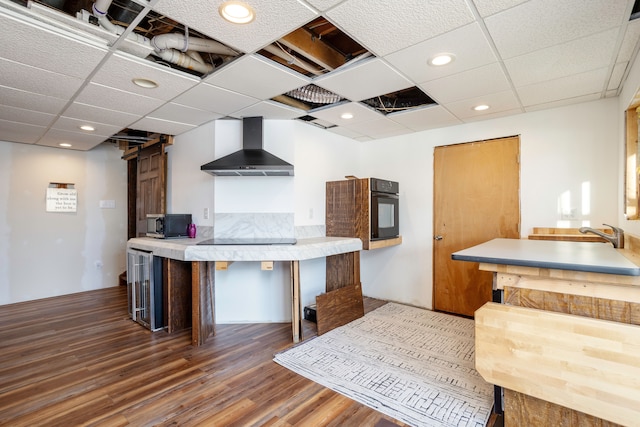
(150, 185)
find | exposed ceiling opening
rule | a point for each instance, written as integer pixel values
(635, 12)
(161, 39)
(309, 97)
(401, 100)
(315, 49)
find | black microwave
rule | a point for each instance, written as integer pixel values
(167, 226)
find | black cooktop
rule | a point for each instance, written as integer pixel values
(250, 241)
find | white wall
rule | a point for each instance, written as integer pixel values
(44, 254)
(244, 293)
(561, 149)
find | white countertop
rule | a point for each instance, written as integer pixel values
(188, 250)
(578, 256)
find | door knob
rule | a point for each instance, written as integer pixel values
(438, 237)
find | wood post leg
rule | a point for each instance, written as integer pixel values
(296, 321)
(203, 321)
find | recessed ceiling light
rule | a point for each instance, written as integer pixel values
(347, 116)
(88, 128)
(441, 59)
(65, 144)
(236, 12)
(481, 107)
(145, 83)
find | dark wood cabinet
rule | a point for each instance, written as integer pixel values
(348, 212)
(347, 209)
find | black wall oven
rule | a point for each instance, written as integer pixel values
(384, 209)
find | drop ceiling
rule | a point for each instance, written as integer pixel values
(58, 71)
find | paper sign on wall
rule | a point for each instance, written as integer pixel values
(62, 200)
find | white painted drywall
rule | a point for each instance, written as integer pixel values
(244, 293)
(561, 149)
(44, 254)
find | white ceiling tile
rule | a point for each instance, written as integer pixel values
(80, 111)
(120, 69)
(20, 115)
(412, 61)
(468, 84)
(323, 5)
(37, 80)
(563, 102)
(41, 45)
(370, 23)
(214, 99)
(489, 7)
(616, 75)
(538, 24)
(332, 114)
(566, 87)
(377, 128)
(363, 80)
(240, 76)
(339, 130)
(161, 126)
(79, 141)
(271, 109)
(73, 125)
(31, 101)
(425, 118)
(493, 115)
(576, 56)
(630, 41)
(115, 99)
(20, 132)
(501, 101)
(274, 19)
(610, 94)
(183, 114)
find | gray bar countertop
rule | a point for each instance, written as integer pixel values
(578, 256)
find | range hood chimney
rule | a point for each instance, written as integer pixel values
(252, 160)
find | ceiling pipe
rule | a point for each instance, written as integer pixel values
(185, 61)
(275, 50)
(184, 43)
(169, 47)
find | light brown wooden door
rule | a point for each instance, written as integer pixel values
(151, 185)
(476, 199)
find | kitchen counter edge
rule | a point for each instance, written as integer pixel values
(189, 250)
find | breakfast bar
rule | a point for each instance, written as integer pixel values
(565, 341)
(204, 259)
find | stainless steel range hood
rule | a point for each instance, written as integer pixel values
(252, 160)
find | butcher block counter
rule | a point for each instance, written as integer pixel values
(565, 341)
(201, 261)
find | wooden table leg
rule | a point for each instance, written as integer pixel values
(203, 321)
(296, 320)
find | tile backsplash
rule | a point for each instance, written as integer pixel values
(253, 225)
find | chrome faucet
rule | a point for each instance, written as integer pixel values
(616, 239)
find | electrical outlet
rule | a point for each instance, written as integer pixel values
(310, 213)
(206, 213)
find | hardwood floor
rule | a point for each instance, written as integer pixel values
(79, 360)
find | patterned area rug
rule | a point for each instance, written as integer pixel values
(414, 365)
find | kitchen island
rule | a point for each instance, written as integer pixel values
(203, 259)
(565, 341)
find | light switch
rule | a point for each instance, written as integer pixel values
(107, 204)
